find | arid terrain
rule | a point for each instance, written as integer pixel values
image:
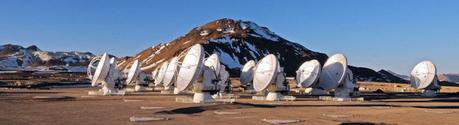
(74, 106)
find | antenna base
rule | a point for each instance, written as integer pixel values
(167, 90)
(342, 92)
(316, 91)
(140, 88)
(176, 91)
(274, 96)
(429, 93)
(202, 97)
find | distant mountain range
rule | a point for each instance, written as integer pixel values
(454, 78)
(16, 57)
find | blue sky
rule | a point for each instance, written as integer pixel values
(380, 34)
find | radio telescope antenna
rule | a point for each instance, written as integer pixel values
(107, 75)
(247, 74)
(159, 78)
(424, 77)
(190, 68)
(170, 75)
(336, 75)
(308, 73)
(137, 77)
(269, 76)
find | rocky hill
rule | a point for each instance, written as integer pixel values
(235, 41)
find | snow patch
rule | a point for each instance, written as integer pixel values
(229, 30)
(204, 33)
(261, 32)
(228, 60)
(225, 39)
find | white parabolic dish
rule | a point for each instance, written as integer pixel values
(102, 70)
(171, 71)
(191, 67)
(161, 72)
(247, 72)
(213, 62)
(265, 72)
(423, 74)
(133, 72)
(308, 73)
(333, 72)
(154, 74)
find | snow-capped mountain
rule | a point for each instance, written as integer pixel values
(235, 41)
(14, 57)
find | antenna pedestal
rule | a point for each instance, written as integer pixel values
(429, 93)
(107, 88)
(158, 88)
(343, 92)
(105, 91)
(140, 88)
(316, 91)
(176, 91)
(167, 90)
(202, 97)
(249, 89)
(274, 96)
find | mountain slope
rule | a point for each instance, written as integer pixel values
(235, 41)
(450, 77)
(393, 77)
(366, 74)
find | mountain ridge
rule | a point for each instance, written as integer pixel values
(15, 57)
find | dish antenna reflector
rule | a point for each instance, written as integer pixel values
(224, 79)
(268, 75)
(137, 77)
(333, 72)
(213, 62)
(154, 73)
(102, 70)
(171, 73)
(424, 77)
(161, 72)
(308, 73)
(134, 71)
(90, 71)
(336, 75)
(190, 69)
(153, 76)
(247, 74)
